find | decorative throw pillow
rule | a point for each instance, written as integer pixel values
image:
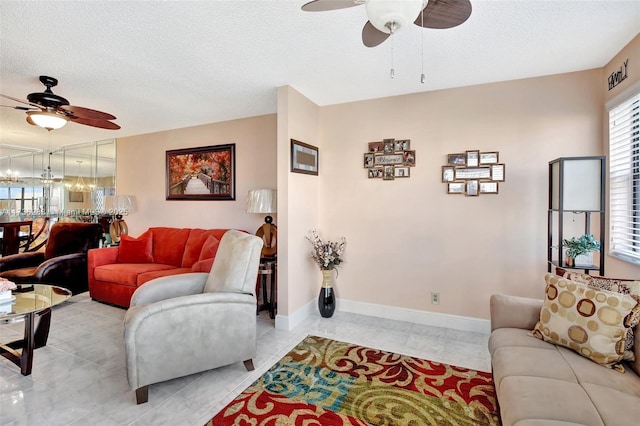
(209, 248)
(204, 265)
(136, 250)
(587, 320)
(616, 285)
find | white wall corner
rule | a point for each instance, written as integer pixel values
(289, 322)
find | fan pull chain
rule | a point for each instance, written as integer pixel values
(393, 72)
(422, 40)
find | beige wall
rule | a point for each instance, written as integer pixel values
(141, 172)
(615, 267)
(407, 238)
(298, 202)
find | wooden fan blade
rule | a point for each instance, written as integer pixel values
(442, 14)
(19, 108)
(371, 36)
(103, 124)
(22, 101)
(81, 112)
(322, 5)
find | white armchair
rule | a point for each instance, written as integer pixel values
(184, 324)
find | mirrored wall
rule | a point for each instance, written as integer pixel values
(69, 181)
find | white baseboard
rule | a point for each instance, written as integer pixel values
(455, 322)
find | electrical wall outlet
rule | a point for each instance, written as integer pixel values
(435, 298)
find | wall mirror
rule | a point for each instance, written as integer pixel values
(69, 181)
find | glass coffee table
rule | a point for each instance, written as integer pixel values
(29, 301)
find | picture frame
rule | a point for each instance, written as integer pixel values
(488, 187)
(368, 160)
(456, 188)
(472, 158)
(388, 173)
(409, 158)
(203, 173)
(472, 188)
(459, 159)
(375, 173)
(489, 157)
(466, 173)
(497, 172)
(76, 197)
(401, 172)
(447, 174)
(304, 158)
(376, 147)
(386, 160)
(402, 145)
(388, 146)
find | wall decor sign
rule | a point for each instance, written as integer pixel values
(473, 173)
(619, 76)
(304, 158)
(204, 173)
(389, 159)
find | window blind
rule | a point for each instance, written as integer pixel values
(624, 180)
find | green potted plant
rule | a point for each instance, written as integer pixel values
(577, 246)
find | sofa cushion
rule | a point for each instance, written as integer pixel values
(126, 273)
(195, 243)
(528, 397)
(614, 406)
(589, 321)
(209, 248)
(204, 265)
(508, 337)
(148, 276)
(136, 250)
(169, 244)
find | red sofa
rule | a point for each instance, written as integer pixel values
(116, 272)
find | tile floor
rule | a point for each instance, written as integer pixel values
(79, 378)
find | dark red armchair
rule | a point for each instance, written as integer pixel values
(64, 261)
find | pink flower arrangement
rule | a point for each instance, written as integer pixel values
(6, 285)
(327, 254)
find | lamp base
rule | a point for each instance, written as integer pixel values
(117, 228)
(269, 234)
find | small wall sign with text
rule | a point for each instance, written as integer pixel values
(619, 76)
(473, 173)
(389, 159)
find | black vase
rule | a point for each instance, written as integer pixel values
(326, 299)
(326, 302)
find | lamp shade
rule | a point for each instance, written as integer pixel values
(47, 120)
(386, 15)
(262, 201)
(119, 204)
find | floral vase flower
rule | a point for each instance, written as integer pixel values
(327, 255)
(5, 289)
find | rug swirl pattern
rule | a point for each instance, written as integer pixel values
(327, 382)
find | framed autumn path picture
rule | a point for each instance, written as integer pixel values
(205, 173)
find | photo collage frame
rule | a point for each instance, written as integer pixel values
(473, 173)
(389, 159)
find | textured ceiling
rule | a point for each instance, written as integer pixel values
(160, 65)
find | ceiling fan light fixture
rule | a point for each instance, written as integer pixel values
(390, 16)
(46, 120)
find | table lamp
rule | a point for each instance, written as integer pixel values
(265, 201)
(119, 204)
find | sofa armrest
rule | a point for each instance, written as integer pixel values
(21, 260)
(59, 266)
(102, 256)
(514, 312)
(169, 287)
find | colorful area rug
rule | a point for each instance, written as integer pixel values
(326, 382)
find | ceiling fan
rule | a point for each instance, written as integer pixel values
(387, 17)
(50, 111)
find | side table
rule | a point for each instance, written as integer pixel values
(268, 268)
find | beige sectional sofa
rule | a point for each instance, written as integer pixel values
(538, 383)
